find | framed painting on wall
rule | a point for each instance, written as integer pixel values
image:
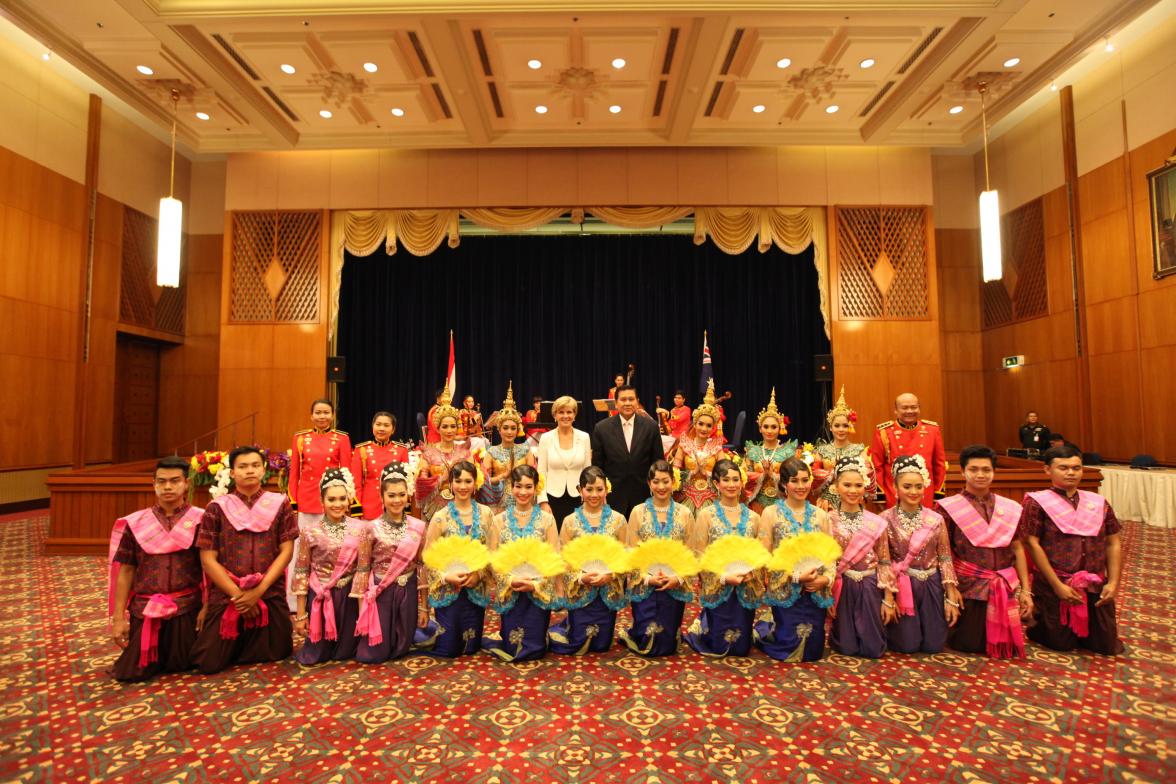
(1161, 188)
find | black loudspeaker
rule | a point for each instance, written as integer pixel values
(336, 369)
(822, 367)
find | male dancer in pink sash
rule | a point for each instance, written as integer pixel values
(154, 563)
(1073, 538)
(246, 541)
(989, 562)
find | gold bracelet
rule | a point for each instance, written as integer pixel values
(953, 604)
(298, 618)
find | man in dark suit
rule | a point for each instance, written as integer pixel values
(625, 446)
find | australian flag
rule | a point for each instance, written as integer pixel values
(708, 371)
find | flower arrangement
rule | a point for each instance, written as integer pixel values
(211, 469)
(807, 452)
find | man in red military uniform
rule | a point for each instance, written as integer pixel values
(369, 460)
(908, 434)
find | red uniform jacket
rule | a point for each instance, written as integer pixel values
(892, 440)
(368, 460)
(312, 454)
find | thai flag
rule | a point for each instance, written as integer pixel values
(708, 371)
(451, 375)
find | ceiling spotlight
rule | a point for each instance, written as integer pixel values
(287, 68)
(1053, 88)
(1108, 47)
(202, 116)
(955, 109)
(618, 63)
(371, 67)
(397, 111)
(534, 65)
(1012, 62)
(45, 56)
(758, 108)
(144, 70)
(540, 109)
(615, 109)
(325, 114)
(867, 63)
(833, 109)
(783, 62)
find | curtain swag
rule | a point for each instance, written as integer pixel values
(733, 229)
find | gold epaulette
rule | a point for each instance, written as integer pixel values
(885, 424)
(364, 443)
(930, 422)
(303, 432)
(340, 432)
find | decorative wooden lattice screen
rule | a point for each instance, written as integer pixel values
(882, 262)
(275, 281)
(1022, 293)
(141, 302)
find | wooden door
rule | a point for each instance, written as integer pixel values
(136, 399)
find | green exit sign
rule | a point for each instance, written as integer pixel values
(1017, 360)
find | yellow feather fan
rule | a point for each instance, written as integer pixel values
(595, 554)
(456, 555)
(663, 556)
(527, 559)
(734, 555)
(798, 554)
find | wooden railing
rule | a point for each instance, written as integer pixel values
(215, 435)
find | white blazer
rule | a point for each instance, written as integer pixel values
(561, 470)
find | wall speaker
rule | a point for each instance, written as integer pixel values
(822, 367)
(336, 369)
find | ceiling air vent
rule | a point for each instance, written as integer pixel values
(237, 58)
(661, 97)
(280, 104)
(420, 53)
(483, 55)
(671, 45)
(922, 47)
(730, 58)
(874, 101)
(495, 99)
(444, 104)
(710, 105)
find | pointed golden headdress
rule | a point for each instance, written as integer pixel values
(771, 412)
(707, 406)
(444, 409)
(841, 409)
(508, 410)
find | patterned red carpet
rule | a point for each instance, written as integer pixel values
(615, 718)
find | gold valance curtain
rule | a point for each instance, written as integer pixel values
(733, 229)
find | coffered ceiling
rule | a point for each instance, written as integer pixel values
(306, 74)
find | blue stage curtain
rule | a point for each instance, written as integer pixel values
(564, 314)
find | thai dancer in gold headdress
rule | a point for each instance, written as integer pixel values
(763, 459)
(504, 457)
(432, 484)
(697, 453)
(840, 419)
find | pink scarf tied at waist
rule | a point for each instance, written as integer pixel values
(228, 623)
(1077, 616)
(1006, 640)
(859, 544)
(322, 609)
(160, 607)
(919, 539)
(402, 558)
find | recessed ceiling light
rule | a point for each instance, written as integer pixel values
(534, 65)
(867, 63)
(287, 68)
(540, 109)
(1110, 47)
(202, 116)
(758, 108)
(1053, 87)
(955, 109)
(397, 111)
(1012, 62)
(45, 56)
(832, 109)
(618, 63)
(371, 67)
(325, 114)
(615, 109)
(143, 69)
(783, 62)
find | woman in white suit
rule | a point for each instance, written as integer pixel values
(562, 454)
